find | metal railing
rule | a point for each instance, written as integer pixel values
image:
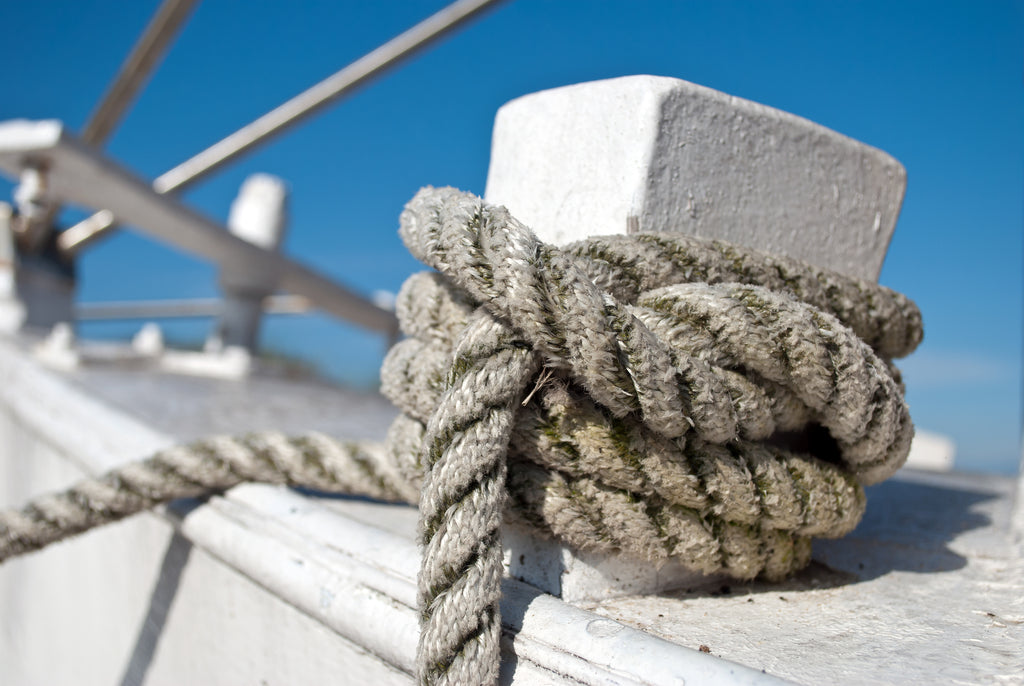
(56, 167)
(292, 112)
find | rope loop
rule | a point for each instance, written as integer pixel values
(653, 395)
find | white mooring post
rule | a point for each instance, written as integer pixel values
(258, 215)
(12, 311)
(646, 153)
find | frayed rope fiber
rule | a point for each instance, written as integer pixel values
(653, 395)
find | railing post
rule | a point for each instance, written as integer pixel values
(645, 153)
(12, 311)
(258, 215)
(38, 283)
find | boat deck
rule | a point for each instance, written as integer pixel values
(928, 589)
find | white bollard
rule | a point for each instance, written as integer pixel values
(35, 205)
(12, 311)
(649, 153)
(149, 341)
(36, 290)
(646, 153)
(258, 215)
(58, 350)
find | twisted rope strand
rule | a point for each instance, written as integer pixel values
(461, 505)
(216, 464)
(627, 266)
(655, 396)
(566, 431)
(562, 314)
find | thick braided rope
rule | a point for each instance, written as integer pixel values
(654, 395)
(461, 505)
(683, 383)
(313, 461)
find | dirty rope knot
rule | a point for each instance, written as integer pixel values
(654, 395)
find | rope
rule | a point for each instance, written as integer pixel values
(656, 396)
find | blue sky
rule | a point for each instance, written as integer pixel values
(939, 85)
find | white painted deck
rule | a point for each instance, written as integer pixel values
(268, 586)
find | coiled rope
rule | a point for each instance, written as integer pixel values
(655, 395)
